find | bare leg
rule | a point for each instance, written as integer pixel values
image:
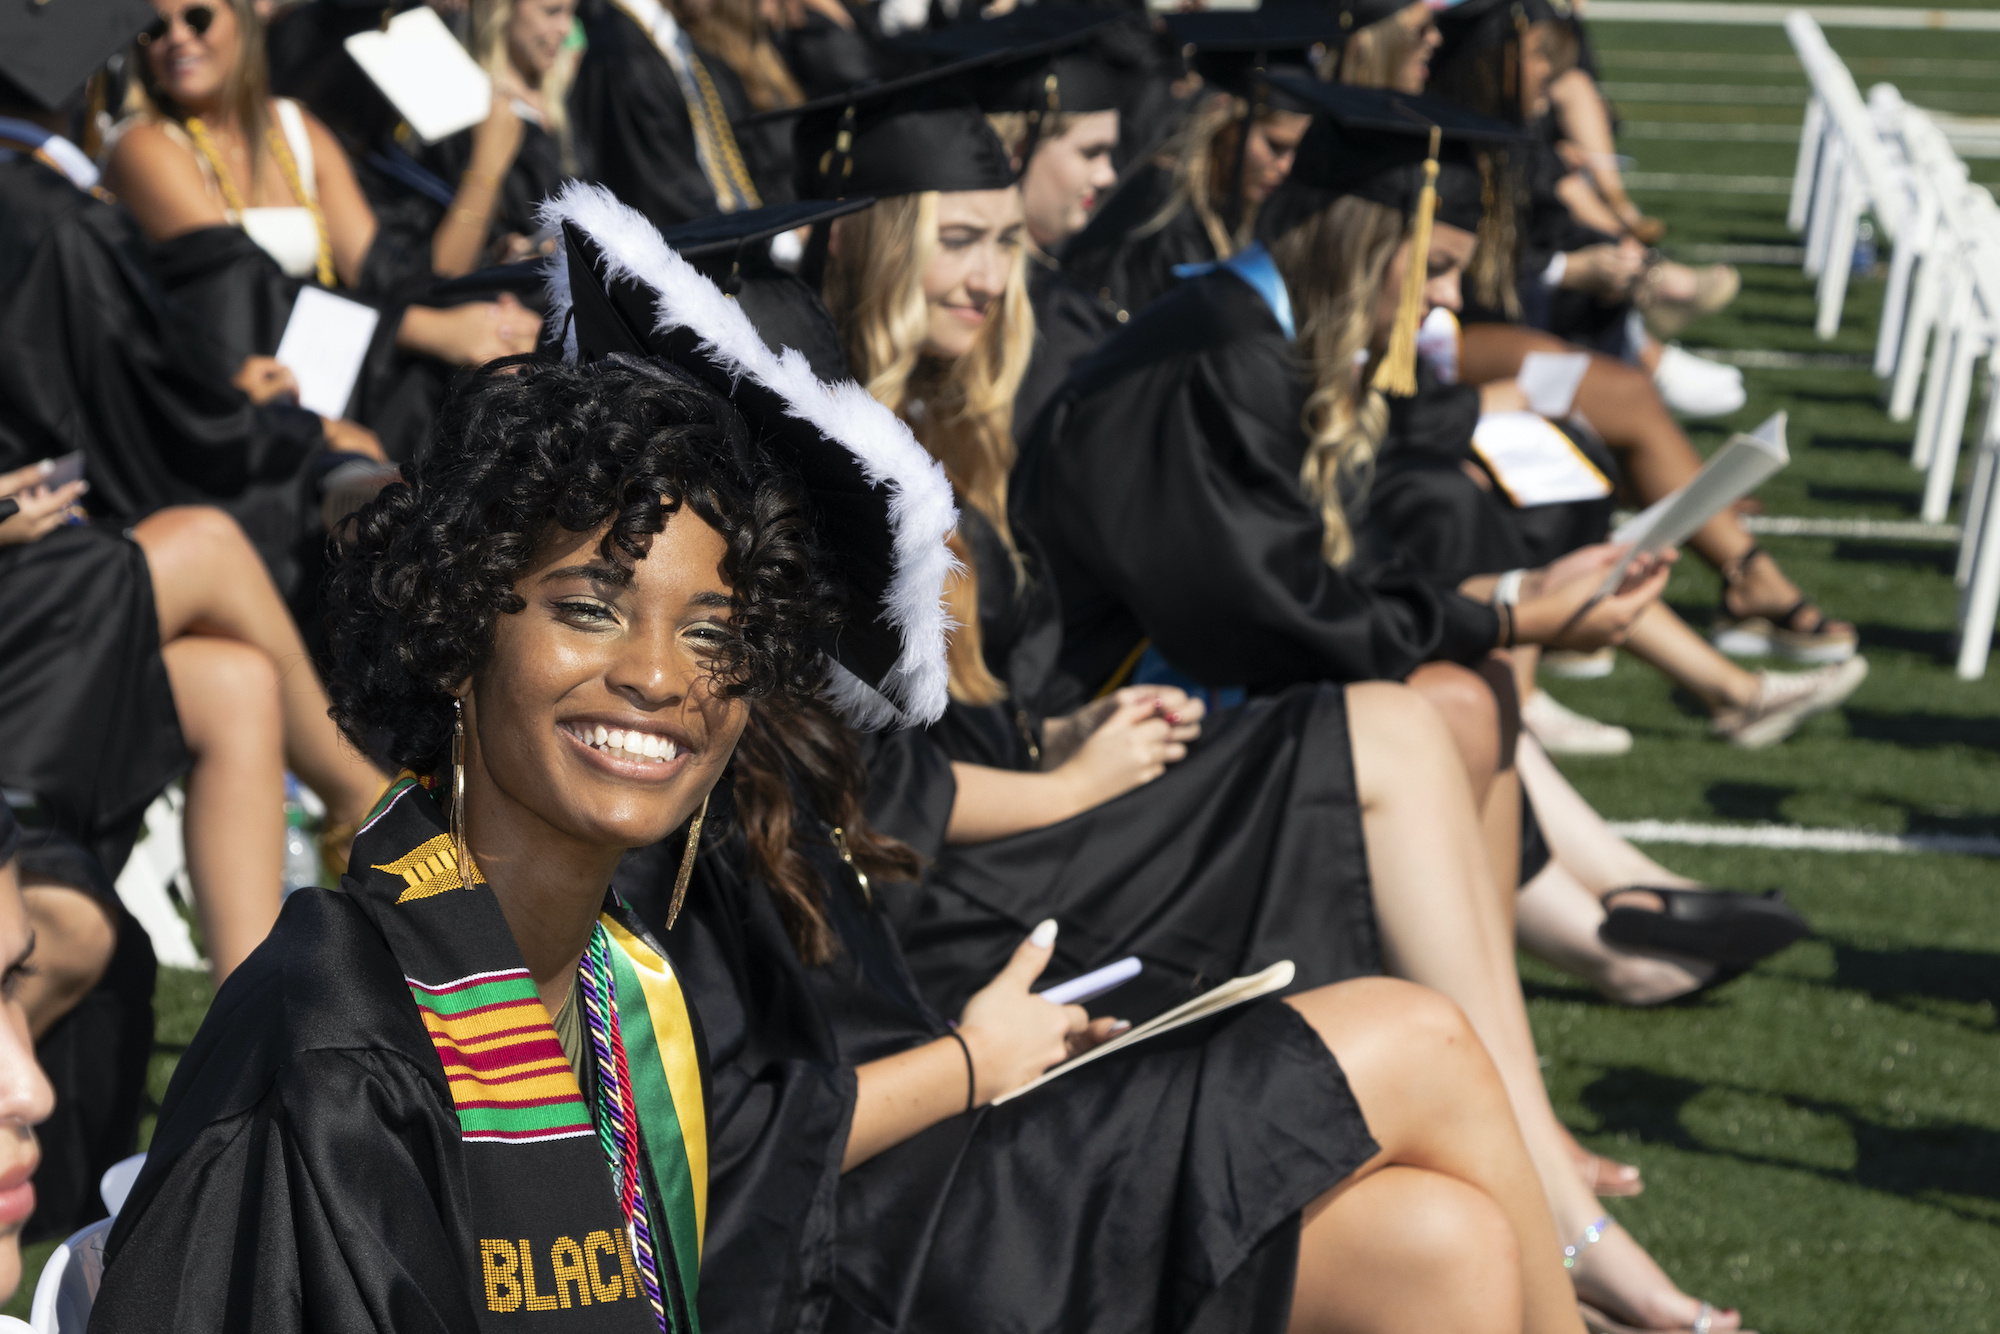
(1442, 925)
(1433, 1102)
(227, 695)
(1467, 705)
(1664, 641)
(1557, 923)
(1586, 123)
(74, 940)
(1408, 1249)
(1589, 849)
(207, 580)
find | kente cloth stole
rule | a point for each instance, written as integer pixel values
(715, 143)
(552, 1248)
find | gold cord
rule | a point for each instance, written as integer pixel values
(288, 165)
(733, 174)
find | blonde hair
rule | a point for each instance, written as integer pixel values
(1204, 156)
(961, 409)
(736, 32)
(1375, 55)
(490, 21)
(246, 96)
(1012, 127)
(1334, 263)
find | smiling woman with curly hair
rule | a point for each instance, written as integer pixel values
(465, 1091)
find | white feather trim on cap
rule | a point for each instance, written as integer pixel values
(921, 510)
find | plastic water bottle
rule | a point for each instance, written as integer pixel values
(301, 852)
(1865, 253)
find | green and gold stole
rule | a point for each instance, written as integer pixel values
(574, 1230)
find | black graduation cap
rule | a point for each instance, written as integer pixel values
(1047, 58)
(726, 233)
(1409, 151)
(1237, 49)
(882, 505)
(1488, 32)
(50, 48)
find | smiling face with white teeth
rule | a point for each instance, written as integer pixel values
(596, 720)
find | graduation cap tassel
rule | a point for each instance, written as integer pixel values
(1397, 375)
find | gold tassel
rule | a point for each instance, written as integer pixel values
(687, 864)
(1397, 374)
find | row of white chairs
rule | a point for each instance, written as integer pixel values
(1886, 159)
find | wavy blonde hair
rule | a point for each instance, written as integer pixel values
(961, 409)
(1203, 156)
(490, 20)
(1375, 55)
(1334, 262)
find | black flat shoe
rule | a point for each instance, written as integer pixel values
(1731, 930)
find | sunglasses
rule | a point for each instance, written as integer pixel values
(199, 18)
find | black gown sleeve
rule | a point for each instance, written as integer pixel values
(304, 1175)
(1165, 489)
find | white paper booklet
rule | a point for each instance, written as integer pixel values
(1550, 380)
(325, 342)
(421, 68)
(1534, 462)
(1234, 992)
(1733, 472)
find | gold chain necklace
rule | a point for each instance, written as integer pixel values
(288, 165)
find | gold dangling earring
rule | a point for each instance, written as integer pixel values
(458, 794)
(687, 864)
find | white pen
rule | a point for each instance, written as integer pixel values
(1092, 985)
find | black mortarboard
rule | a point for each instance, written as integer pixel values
(1236, 50)
(1406, 150)
(50, 48)
(1045, 58)
(722, 233)
(882, 507)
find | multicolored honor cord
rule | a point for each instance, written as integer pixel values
(618, 1111)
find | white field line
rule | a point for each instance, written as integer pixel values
(1707, 132)
(1766, 95)
(1764, 359)
(1798, 838)
(1862, 67)
(1739, 254)
(1694, 182)
(1773, 16)
(1875, 530)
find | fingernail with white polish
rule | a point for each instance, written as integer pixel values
(1120, 1027)
(1044, 935)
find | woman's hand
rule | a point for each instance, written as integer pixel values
(43, 508)
(347, 437)
(1502, 396)
(1557, 608)
(1609, 270)
(1013, 1034)
(1139, 736)
(266, 380)
(497, 139)
(472, 334)
(1062, 736)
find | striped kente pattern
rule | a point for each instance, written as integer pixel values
(509, 1079)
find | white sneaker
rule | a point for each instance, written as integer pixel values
(1693, 387)
(1785, 700)
(1565, 732)
(1568, 664)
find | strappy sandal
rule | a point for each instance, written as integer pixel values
(1730, 930)
(1597, 1321)
(1800, 633)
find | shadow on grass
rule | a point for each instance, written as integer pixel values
(1949, 1159)
(1967, 977)
(1939, 646)
(1936, 557)
(1906, 499)
(1748, 801)
(1861, 444)
(1924, 731)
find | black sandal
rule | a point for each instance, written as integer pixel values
(1801, 633)
(1730, 930)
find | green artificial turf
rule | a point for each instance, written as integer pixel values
(1821, 1139)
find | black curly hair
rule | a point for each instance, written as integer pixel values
(523, 449)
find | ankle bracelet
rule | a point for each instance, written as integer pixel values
(1591, 1236)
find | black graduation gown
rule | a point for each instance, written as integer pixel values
(1121, 257)
(1248, 851)
(1163, 483)
(826, 58)
(1454, 523)
(318, 1183)
(100, 359)
(1156, 1190)
(1070, 323)
(632, 125)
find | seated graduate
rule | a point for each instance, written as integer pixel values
(1196, 200)
(247, 198)
(852, 1173)
(489, 1098)
(653, 118)
(1026, 800)
(102, 360)
(25, 1096)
